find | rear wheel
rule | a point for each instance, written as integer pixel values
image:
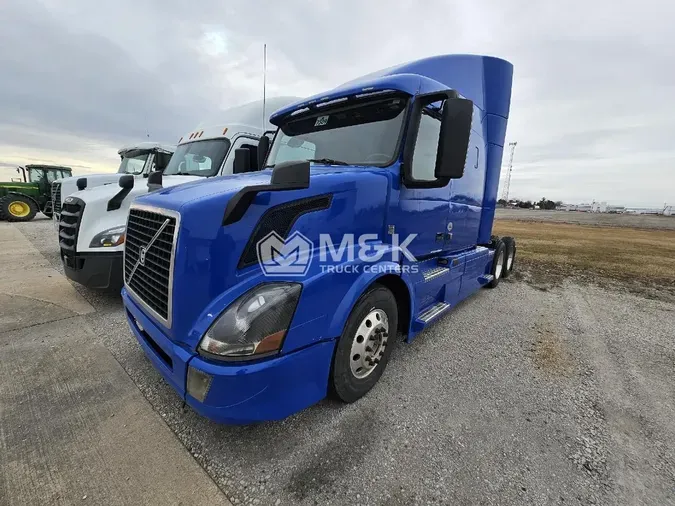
(510, 244)
(17, 208)
(363, 349)
(498, 262)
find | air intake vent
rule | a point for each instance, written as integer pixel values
(148, 259)
(69, 224)
(280, 219)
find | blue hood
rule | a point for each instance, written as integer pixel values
(208, 255)
(177, 196)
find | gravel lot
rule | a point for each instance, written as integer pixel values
(600, 219)
(520, 395)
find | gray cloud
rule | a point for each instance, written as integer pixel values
(592, 105)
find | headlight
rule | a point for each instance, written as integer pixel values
(255, 324)
(108, 238)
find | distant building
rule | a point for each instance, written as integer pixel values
(644, 210)
(603, 207)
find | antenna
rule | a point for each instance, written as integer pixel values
(507, 185)
(264, 122)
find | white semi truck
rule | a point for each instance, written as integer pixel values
(138, 160)
(93, 221)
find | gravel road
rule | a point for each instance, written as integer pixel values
(520, 395)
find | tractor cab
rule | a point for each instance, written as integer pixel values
(30, 193)
(43, 175)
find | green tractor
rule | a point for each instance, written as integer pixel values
(25, 196)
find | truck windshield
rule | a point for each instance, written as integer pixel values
(133, 163)
(363, 134)
(200, 158)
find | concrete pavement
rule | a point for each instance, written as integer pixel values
(74, 428)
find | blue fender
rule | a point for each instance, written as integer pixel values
(358, 288)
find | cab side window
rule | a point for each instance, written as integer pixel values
(160, 161)
(241, 142)
(34, 175)
(426, 146)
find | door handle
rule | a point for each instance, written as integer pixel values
(477, 155)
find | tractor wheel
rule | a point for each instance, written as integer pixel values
(510, 244)
(17, 208)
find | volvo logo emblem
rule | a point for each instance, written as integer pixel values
(143, 250)
(141, 255)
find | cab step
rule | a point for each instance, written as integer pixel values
(485, 279)
(434, 273)
(433, 312)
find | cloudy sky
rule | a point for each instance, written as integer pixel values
(593, 103)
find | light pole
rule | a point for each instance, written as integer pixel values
(507, 185)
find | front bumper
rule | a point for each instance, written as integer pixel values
(240, 392)
(94, 270)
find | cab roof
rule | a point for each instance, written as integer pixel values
(46, 167)
(485, 80)
(148, 146)
(228, 130)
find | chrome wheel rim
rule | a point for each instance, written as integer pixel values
(509, 261)
(369, 343)
(499, 266)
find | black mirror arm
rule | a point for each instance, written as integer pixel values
(242, 200)
(285, 177)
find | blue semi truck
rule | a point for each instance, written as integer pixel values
(260, 293)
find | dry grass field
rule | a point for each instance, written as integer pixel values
(638, 256)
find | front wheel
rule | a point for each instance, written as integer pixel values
(364, 348)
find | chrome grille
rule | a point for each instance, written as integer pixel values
(148, 258)
(69, 223)
(56, 197)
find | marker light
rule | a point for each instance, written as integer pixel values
(254, 324)
(198, 383)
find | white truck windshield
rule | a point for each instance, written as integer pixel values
(364, 134)
(133, 163)
(200, 158)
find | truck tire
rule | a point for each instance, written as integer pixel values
(498, 262)
(363, 350)
(510, 244)
(17, 208)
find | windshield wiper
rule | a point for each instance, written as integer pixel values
(327, 161)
